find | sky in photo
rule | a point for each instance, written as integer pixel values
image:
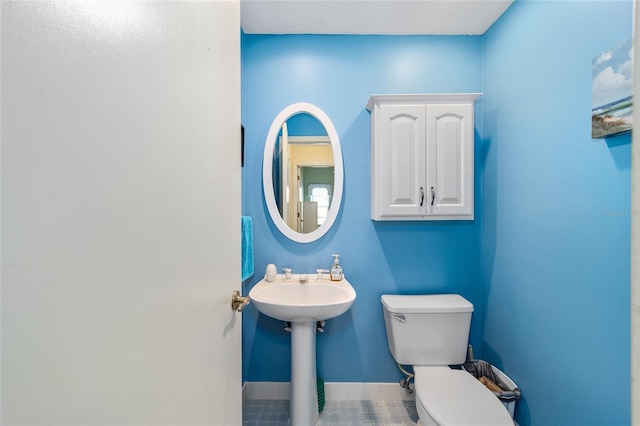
(612, 74)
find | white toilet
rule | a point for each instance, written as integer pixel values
(431, 332)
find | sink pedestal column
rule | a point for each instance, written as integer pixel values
(303, 403)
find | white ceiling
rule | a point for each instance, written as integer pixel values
(451, 17)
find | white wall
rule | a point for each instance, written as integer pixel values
(114, 162)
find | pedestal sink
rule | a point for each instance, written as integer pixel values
(303, 304)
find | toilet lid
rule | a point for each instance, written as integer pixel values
(455, 397)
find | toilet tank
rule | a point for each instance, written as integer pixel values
(427, 329)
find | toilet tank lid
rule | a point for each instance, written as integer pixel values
(427, 303)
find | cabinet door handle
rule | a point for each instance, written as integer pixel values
(433, 196)
(421, 196)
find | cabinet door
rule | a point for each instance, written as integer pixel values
(400, 161)
(450, 161)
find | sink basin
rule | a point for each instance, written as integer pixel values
(303, 305)
(315, 300)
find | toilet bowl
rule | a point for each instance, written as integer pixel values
(445, 396)
(430, 333)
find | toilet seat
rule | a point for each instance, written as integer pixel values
(449, 397)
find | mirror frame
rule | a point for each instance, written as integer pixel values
(267, 168)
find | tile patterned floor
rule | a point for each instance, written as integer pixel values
(276, 412)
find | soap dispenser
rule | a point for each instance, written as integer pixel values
(336, 269)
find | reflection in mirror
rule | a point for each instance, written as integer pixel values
(302, 172)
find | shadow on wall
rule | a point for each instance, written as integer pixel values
(522, 408)
(487, 159)
(277, 342)
(340, 338)
(488, 163)
(619, 147)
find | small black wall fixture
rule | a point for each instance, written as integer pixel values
(241, 145)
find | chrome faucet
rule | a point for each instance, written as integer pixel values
(287, 273)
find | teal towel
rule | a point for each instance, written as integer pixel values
(247, 247)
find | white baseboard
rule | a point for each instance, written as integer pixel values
(333, 391)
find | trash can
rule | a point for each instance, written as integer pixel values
(511, 395)
(496, 381)
(320, 386)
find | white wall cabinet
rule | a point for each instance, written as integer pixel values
(422, 156)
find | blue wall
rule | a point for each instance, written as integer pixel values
(556, 225)
(338, 74)
(546, 262)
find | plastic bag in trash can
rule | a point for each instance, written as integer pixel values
(482, 369)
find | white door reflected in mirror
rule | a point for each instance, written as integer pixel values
(300, 164)
(302, 172)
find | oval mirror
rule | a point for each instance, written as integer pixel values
(302, 172)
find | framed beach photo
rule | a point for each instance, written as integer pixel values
(612, 103)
